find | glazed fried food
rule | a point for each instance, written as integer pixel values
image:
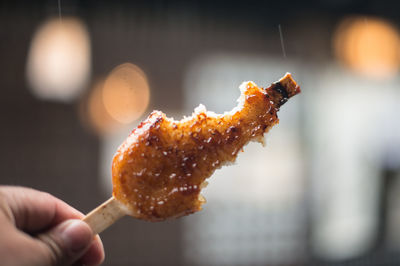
(159, 170)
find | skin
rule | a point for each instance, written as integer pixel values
(38, 229)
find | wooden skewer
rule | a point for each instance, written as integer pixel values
(105, 215)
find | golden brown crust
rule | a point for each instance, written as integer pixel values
(159, 170)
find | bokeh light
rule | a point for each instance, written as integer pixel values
(114, 102)
(58, 64)
(95, 113)
(370, 46)
(126, 93)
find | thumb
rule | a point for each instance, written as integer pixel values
(67, 242)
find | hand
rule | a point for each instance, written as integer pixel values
(39, 229)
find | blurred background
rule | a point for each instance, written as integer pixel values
(77, 76)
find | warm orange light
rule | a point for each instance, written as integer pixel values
(58, 65)
(126, 93)
(370, 46)
(97, 114)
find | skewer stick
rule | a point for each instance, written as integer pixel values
(105, 215)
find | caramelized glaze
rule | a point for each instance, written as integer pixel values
(159, 170)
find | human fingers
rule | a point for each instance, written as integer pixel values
(33, 211)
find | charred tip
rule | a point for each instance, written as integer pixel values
(283, 89)
(290, 85)
(279, 88)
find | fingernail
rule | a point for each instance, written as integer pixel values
(76, 235)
